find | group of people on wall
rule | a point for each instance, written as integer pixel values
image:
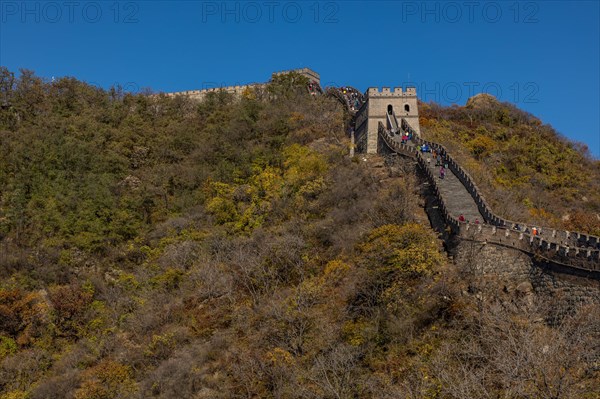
(406, 137)
(439, 159)
(461, 218)
(352, 96)
(535, 231)
(314, 88)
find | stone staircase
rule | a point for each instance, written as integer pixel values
(457, 198)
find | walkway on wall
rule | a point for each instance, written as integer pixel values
(457, 198)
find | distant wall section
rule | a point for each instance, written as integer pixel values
(239, 90)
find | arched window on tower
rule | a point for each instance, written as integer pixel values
(407, 107)
(390, 109)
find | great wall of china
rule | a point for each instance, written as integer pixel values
(571, 249)
(379, 118)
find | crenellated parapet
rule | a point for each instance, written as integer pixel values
(581, 258)
(237, 90)
(395, 92)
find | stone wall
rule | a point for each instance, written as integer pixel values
(239, 90)
(514, 271)
(585, 259)
(361, 131)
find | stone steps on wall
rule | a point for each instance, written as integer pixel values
(456, 197)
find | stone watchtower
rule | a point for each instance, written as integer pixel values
(377, 105)
(306, 72)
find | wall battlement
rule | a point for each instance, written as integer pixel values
(200, 94)
(395, 92)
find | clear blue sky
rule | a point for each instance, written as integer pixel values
(541, 55)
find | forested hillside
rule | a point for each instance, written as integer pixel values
(155, 247)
